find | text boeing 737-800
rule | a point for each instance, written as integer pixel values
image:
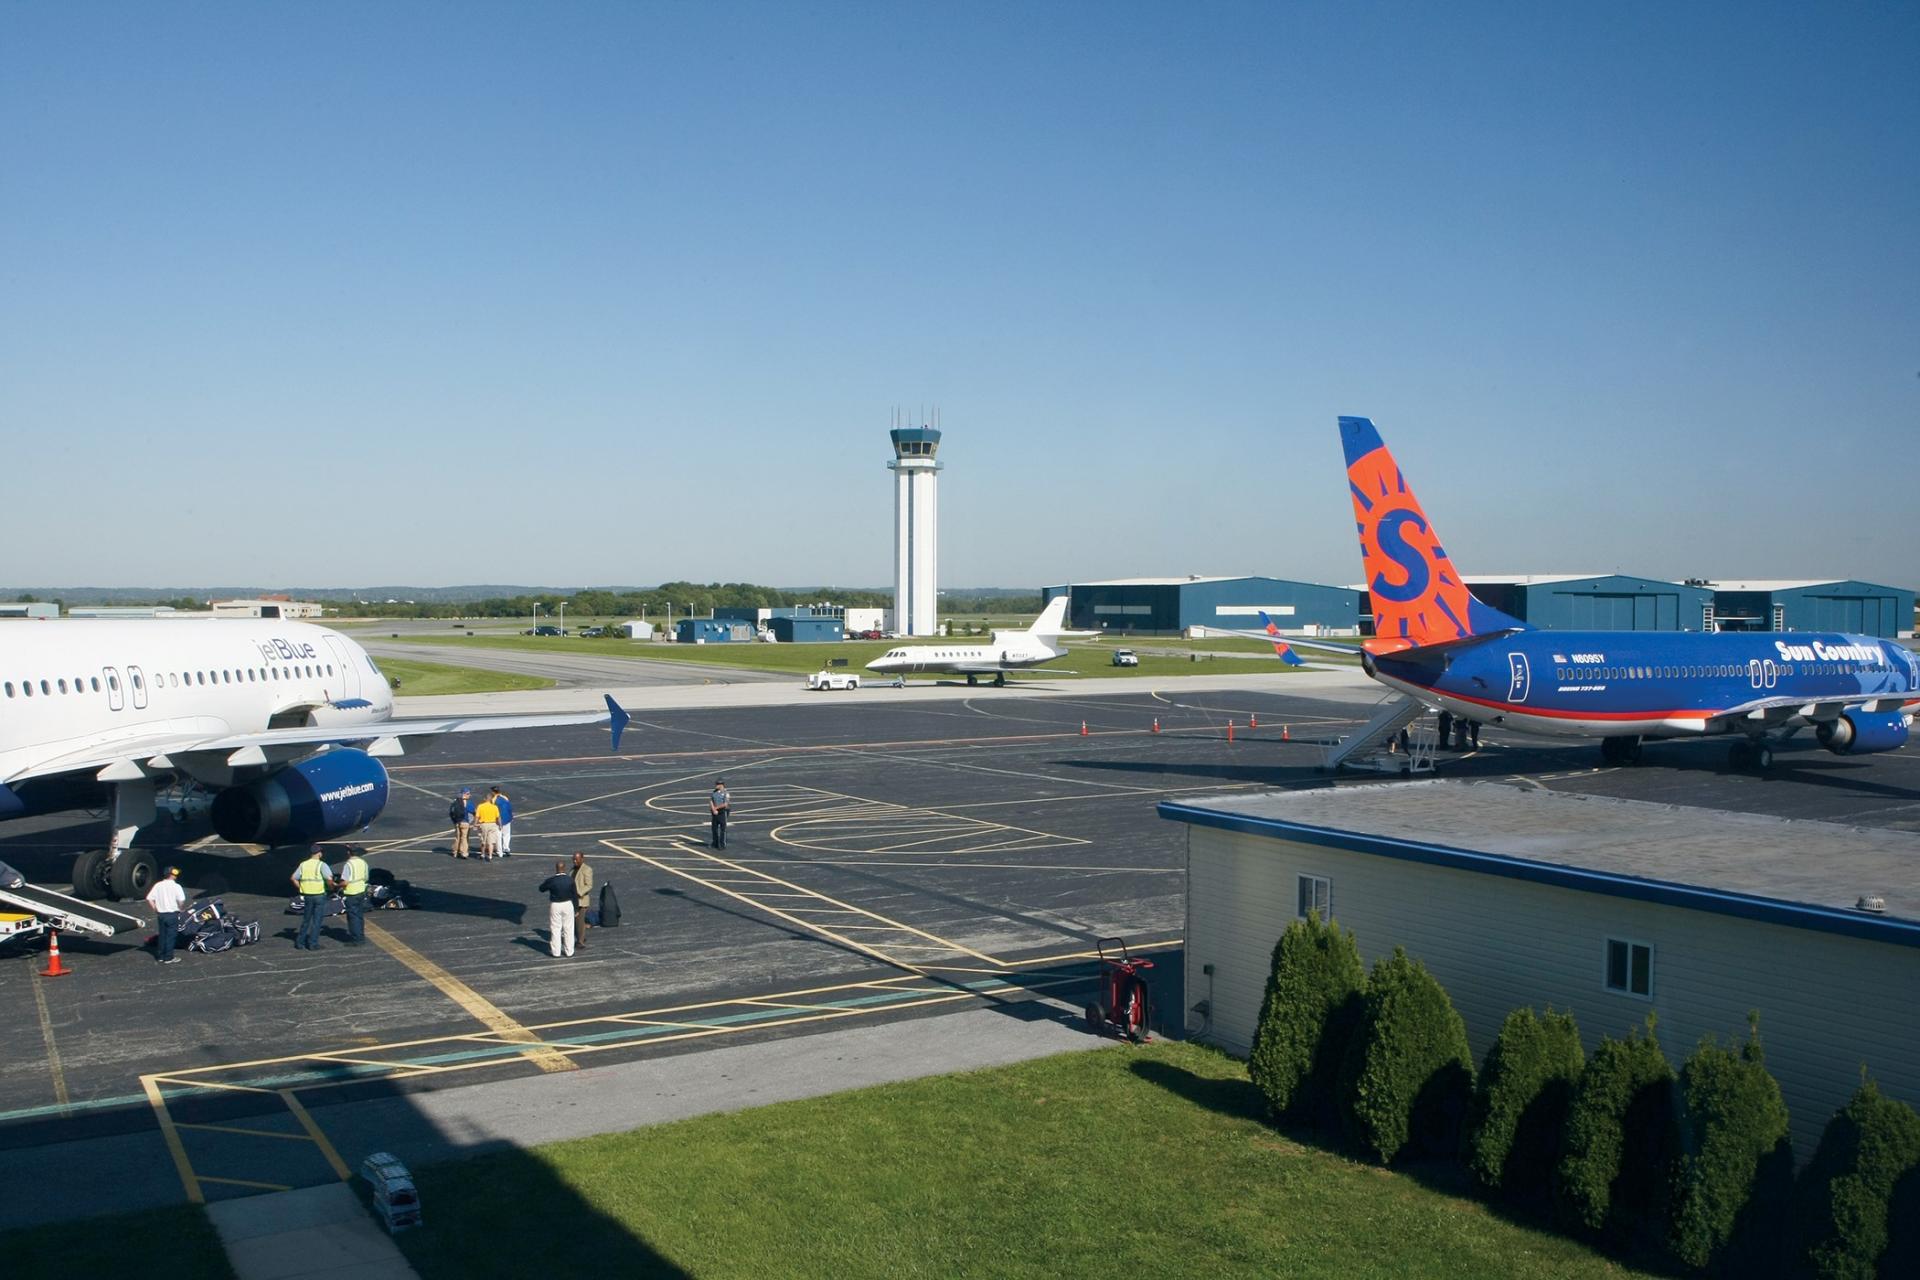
(273, 728)
(1438, 644)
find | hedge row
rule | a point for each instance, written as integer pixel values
(1694, 1168)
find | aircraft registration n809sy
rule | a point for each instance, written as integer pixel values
(275, 729)
(1438, 644)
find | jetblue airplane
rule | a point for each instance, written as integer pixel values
(1438, 644)
(275, 729)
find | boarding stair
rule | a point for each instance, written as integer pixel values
(54, 910)
(1376, 745)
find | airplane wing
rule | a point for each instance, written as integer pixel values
(106, 757)
(1772, 710)
(994, 668)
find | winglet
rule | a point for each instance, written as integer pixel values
(619, 717)
(1281, 647)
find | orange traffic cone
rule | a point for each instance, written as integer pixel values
(1083, 728)
(54, 968)
(1286, 733)
(1229, 731)
(1253, 721)
(1156, 724)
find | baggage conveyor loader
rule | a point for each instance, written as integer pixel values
(27, 911)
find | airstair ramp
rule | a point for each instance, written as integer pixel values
(62, 911)
(1376, 745)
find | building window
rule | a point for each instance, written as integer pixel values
(1315, 897)
(1630, 968)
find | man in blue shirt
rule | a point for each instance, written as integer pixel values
(506, 821)
(719, 804)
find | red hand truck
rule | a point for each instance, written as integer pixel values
(1124, 1005)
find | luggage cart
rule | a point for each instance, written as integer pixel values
(31, 911)
(1125, 1003)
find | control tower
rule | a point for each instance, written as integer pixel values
(916, 529)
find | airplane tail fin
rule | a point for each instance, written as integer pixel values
(1053, 619)
(1417, 594)
(1280, 646)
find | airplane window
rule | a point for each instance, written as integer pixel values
(172, 683)
(96, 684)
(26, 687)
(249, 675)
(45, 689)
(137, 682)
(329, 668)
(9, 688)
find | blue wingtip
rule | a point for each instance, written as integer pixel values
(618, 716)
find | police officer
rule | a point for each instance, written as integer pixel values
(353, 894)
(310, 878)
(720, 805)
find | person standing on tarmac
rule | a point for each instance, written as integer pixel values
(461, 815)
(719, 804)
(310, 878)
(486, 819)
(582, 895)
(559, 890)
(353, 894)
(166, 898)
(505, 806)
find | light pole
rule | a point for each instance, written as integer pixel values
(563, 615)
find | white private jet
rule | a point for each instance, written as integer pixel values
(273, 728)
(1010, 652)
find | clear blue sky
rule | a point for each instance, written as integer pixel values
(593, 293)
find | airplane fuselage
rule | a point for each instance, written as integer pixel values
(82, 685)
(1585, 684)
(964, 658)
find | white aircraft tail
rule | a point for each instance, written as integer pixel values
(1052, 620)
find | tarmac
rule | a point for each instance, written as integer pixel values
(916, 881)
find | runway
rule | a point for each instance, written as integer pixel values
(890, 859)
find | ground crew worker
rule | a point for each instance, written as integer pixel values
(505, 806)
(582, 893)
(460, 814)
(353, 894)
(166, 898)
(310, 878)
(718, 804)
(486, 816)
(559, 890)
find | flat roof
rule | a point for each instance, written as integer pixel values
(1773, 584)
(1802, 874)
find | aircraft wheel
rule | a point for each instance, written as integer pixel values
(89, 879)
(1000, 681)
(1762, 757)
(971, 682)
(132, 874)
(1630, 751)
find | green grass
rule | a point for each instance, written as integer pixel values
(425, 679)
(1085, 657)
(1111, 1162)
(174, 1241)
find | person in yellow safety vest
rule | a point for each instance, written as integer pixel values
(311, 878)
(353, 894)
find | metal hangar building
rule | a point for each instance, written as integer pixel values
(1597, 601)
(1862, 608)
(1169, 606)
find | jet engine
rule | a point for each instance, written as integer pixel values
(317, 799)
(1856, 733)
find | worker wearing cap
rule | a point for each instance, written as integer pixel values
(352, 880)
(166, 898)
(311, 878)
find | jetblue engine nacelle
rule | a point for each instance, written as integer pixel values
(1857, 733)
(317, 799)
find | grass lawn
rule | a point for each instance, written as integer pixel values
(177, 1241)
(424, 679)
(1087, 658)
(1112, 1162)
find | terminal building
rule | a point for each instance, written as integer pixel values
(1610, 909)
(1861, 608)
(1171, 606)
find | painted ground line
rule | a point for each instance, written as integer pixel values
(60, 1098)
(482, 1009)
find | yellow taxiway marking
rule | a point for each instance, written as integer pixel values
(46, 1036)
(175, 1148)
(246, 1182)
(699, 857)
(313, 1131)
(483, 1009)
(244, 1133)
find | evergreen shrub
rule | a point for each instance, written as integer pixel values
(1520, 1108)
(1736, 1175)
(1408, 1076)
(1622, 1144)
(1311, 1006)
(1869, 1152)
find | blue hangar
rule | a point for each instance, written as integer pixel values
(1169, 606)
(1597, 601)
(1861, 608)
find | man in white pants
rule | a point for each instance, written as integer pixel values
(505, 806)
(559, 890)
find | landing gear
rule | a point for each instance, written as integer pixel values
(1625, 750)
(971, 681)
(132, 874)
(90, 875)
(1757, 756)
(1000, 680)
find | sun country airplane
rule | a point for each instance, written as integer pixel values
(1010, 652)
(1439, 645)
(275, 729)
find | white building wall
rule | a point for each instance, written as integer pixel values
(1827, 1003)
(926, 558)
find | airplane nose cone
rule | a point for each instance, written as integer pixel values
(875, 664)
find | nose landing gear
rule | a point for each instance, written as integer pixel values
(1622, 750)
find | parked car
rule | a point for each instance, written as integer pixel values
(545, 631)
(1125, 658)
(872, 634)
(833, 680)
(593, 631)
